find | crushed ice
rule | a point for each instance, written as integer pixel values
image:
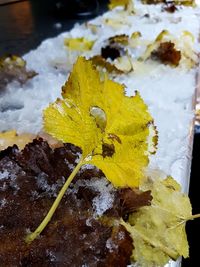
(51, 190)
(104, 200)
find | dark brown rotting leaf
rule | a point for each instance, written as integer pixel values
(167, 54)
(118, 245)
(131, 200)
(128, 200)
(169, 7)
(115, 47)
(108, 150)
(30, 180)
(111, 52)
(14, 68)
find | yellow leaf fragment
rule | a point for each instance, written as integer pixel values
(120, 39)
(119, 66)
(115, 3)
(11, 138)
(93, 27)
(176, 2)
(127, 4)
(124, 64)
(158, 231)
(136, 35)
(99, 61)
(79, 44)
(111, 128)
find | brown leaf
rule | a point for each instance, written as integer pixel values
(14, 68)
(131, 200)
(121, 39)
(167, 54)
(101, 62)
(111, 52)
(169, 7)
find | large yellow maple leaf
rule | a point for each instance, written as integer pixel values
(111, 129)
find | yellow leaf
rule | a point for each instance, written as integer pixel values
(80, 44)
(115, 3)
(124, 63)
(158, 230)
(11, 137)
(127, 4)
(111, 128)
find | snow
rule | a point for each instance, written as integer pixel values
(4, 174)
(104, 200)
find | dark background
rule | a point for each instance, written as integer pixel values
(24, 24)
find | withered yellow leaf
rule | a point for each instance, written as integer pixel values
(111, 128)
(99, 61)
(120, 39)
(127, 4)
(124, 63)
(11, 138)
(80, 44)
(115, 3)
(158, 230)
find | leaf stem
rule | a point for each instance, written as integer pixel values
(30, 237)
(189, 218)
(134, 231)
(192, 217)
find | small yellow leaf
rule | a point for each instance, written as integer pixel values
(111, 129)
(80, 44)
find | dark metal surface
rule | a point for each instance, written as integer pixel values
(7, 2)
(25, 24)
(193, 227)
